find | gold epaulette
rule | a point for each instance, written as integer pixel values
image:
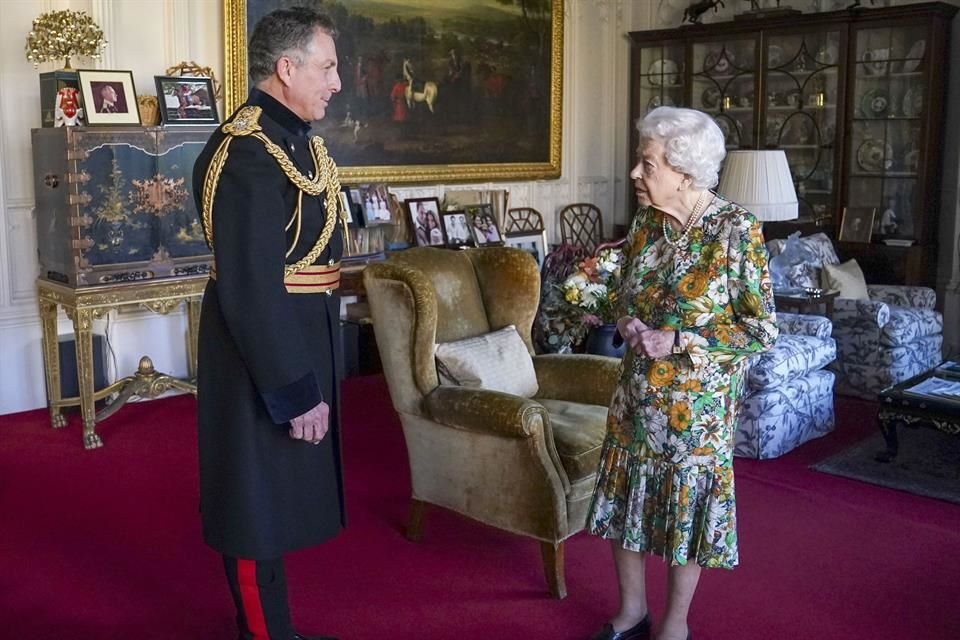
(327, 179)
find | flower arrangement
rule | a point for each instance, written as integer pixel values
(58, 35)
(592, 288)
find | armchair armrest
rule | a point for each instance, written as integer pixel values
(903, 295)
(495, 413)
(864, 312)
(582, 378)
(804, 325)
(483, 410)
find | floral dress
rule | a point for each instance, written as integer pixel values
(665, 483)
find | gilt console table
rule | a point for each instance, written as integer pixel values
(83, 306)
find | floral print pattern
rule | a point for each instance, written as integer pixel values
(665, 483)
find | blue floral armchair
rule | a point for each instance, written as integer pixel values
(788, 397)
(894, 335)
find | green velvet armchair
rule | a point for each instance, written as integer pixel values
(527, 466)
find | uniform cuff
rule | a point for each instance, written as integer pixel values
(292, 400)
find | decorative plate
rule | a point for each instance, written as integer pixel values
(664, 72)
(729, 128)
(874, 103)
(915, 56)
(774, 56)
(710, 98)
(660, 101)
(828, 54)
(875, 61)
(912, 103)
(774, 126)
(718, 61)
(875, 156)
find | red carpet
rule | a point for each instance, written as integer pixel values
(106, 545)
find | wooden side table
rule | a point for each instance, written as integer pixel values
(83, 306)
(806, 303)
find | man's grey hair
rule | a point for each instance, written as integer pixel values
(284, 32)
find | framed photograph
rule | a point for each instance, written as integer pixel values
(347, 205)
(433, 91)
(109, 97)
(374, 204)
(425, 217)
(456, 228)
(483, 225)
(533, 242)
(186, 100)
(857, 224)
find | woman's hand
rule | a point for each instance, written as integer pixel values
(645, 341)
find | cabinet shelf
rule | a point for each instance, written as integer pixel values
(899, 175)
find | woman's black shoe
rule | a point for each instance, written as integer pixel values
(639, 631)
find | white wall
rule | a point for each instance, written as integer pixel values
(147, 36)
(664, 14)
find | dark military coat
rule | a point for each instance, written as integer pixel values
(266, 355)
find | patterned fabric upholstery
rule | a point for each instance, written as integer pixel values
(894, 335)
(789, 394)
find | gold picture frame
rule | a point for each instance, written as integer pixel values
(856, 225)
(435, 160)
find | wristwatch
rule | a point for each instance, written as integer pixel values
(677, 347)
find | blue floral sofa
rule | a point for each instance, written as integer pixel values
(894, 335)
(788, 397)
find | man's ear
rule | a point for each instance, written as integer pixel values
(284, 70)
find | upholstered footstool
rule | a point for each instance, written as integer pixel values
(788, 396)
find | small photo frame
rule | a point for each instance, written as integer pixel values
(483, 225)
(374, 203)
(533, 242)
(456, 227)
(109, 97)
(425, 217)
(186, 100)
(857, 224)
(346, 205)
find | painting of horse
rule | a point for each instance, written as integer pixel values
(433, 90)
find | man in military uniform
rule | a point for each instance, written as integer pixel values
(270, 472)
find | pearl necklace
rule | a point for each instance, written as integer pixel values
(685, 230)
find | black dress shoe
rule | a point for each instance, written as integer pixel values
(639, 631)
(297, 636)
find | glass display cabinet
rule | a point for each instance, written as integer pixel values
(855, 99)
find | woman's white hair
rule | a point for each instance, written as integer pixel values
(693, 143)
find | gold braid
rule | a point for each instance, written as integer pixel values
(327, 179)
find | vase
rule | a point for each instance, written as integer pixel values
(600, 341)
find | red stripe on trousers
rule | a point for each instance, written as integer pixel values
(250, 596)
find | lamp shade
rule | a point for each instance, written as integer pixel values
(760, 182)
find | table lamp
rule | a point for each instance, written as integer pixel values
(760, 182)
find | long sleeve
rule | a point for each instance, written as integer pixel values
(746, 323)
(249, 216)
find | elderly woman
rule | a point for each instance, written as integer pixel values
(696, 301)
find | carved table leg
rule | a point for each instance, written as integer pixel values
(888, 427)
(51, 362)
(193, 334)
(83, 330)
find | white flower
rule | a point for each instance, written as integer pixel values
(592, 294)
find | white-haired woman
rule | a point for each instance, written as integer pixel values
(696, 301)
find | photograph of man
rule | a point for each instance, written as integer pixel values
(267, 394)
(426, 223)
(455, 226)
(109, 97)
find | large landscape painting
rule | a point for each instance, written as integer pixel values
(433, 90)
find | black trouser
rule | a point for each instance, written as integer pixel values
(259, 589)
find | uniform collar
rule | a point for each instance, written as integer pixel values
(278, 112)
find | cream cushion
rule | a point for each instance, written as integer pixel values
(847, 278)
(498, 361)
